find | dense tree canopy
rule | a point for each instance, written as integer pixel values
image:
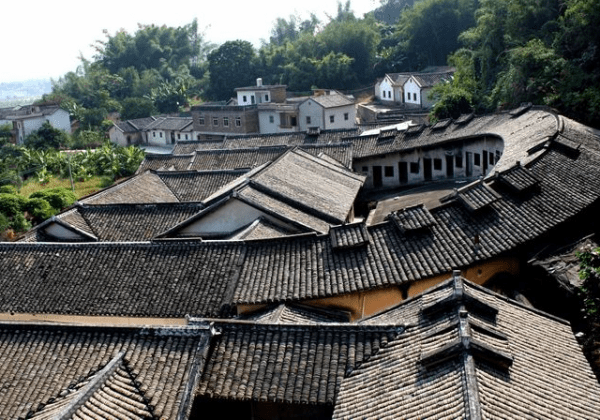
(505, 52)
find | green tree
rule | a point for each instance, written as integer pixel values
(231, 65)
(47, 137)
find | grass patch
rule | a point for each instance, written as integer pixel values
(81, 188)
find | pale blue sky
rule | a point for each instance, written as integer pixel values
(43, 39)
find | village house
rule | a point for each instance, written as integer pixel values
(411, 90)
(367, 318)
(29, 118)
(126, 133)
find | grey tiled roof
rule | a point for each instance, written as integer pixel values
(162, 280)
(146, 187)
(170, 123)
(133, 372)
(430, 79)
(261, 228)
(301, 364)
(135, 125)
(221, 159)
(186, 147)
(167, 162)
(198, 185)
(332, 101)
(296, 314)
(519, 363)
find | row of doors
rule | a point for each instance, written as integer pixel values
(428, 169)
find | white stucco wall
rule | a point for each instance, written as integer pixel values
(385, 86)
(267, 127)
(310, 108)
(460, 149)
(61, 232)
(339, 120)
(228, 218)
(411, 88)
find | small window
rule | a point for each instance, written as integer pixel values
(238, 122)
(437, 164)
(491, 158)
(477, 159)
(307, 120)
(332, 118)
(201, 120)
(293, 121)
(154, 134)
(407, 96)
(365, 169)
(215, 122)
(345, 116)
(186, 137)
(225, 121)
(266, 98)
(160, 134)
(244, 98)
(271, 119)
(414, 167)
(388, 171)
(415, 96)
(178, 136)
(458, 161)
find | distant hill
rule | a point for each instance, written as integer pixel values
(19, 93)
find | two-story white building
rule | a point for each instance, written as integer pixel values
(327, 110)
(27, 119)
(411, 89)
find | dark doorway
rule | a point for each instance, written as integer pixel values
(450, 166)
(377, 176)
(427, 168)
(469, 162)
(485, 162)
(403, 172)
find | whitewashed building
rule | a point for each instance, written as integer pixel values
(27, 119)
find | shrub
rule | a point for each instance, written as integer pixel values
(12, 204)
(4, 222)
(58, 198)
(8, 189)
(39, 209)
(19, 223)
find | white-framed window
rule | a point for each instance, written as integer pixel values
(215, 121)
(244, 98)
(201, 120)
(332, 118)
(160, 133)
(267, 97)
(225, 121)
(345, 116)
(307, 120)
(238, 122)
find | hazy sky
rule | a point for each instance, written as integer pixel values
(43, 39)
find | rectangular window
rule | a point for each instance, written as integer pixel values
(414, 167)
(345, 116)
(458, 161)
(331, 118)
(437, 164)
(293, 121)
(266, 98)
(244, 98)
(160, 134)
(491, 158)
(178, 136)
(201, 120)
(215, 121)
(307, 120)
(154, 134)
(186, 137)
(225, 121)
(477, 159)
(415, 96)
(407, 96)
(365, 169)
(271, 119)
(388, 171)
(238, 122)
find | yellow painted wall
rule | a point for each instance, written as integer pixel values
(363, 304)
